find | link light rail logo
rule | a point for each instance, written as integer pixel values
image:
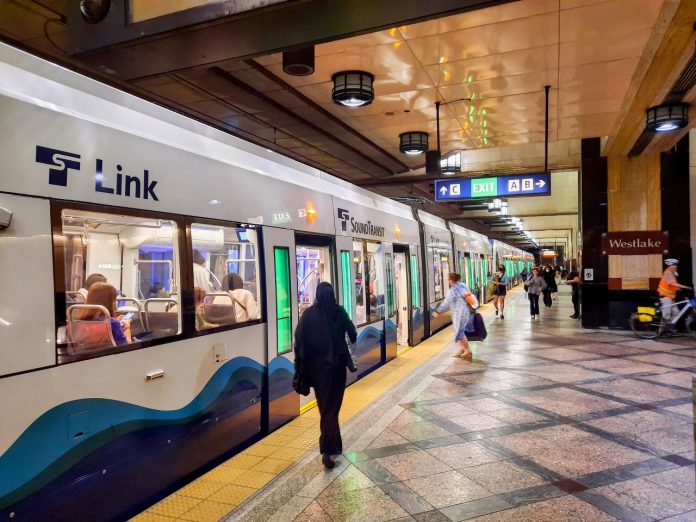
(120, 184)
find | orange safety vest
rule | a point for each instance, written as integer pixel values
(667, 290)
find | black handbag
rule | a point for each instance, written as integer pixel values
(299, 383)
(351, 361)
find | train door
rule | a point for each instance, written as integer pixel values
(417, 290)
(346, 287)
(281, 311)
(402, 297)
(314, 265)
(369, 290)
(390, 319)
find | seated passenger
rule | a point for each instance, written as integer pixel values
(245, 305)
(91, 279)
(157, 290)
(199, 299)
(104, 294)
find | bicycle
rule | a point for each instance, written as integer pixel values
(648, 322)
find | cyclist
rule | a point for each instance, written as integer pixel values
(667, 289)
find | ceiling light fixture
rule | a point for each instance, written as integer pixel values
(451, 165)
(353, 88)
(413, 142)
(667, 117)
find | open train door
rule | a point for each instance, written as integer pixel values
(281, 313)
(402, 297)
(390, 316)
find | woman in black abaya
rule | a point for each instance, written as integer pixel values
(320, 356)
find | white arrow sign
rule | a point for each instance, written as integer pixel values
(540, 183)
(443, 190)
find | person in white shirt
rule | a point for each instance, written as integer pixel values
(244, 303)
(201, 276)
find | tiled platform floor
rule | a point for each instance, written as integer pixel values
(548, 423)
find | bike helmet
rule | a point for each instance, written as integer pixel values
(671, 261)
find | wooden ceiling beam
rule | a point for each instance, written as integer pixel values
(656, 70)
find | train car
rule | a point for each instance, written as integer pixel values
(154, 271)
(472, 256)
(515, 261)
(207, 250)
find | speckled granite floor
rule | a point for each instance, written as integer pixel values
(550, 422)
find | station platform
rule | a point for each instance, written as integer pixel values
(549, 422)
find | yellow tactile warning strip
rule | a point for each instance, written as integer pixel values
(221, 490)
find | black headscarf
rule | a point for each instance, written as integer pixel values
(320, 335)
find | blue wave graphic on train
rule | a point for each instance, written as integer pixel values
(45, 450)
(280, 373)
(417, 319)
(366, 340)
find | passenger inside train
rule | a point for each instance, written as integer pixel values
(137, 260)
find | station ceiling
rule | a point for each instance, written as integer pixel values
(225, 68)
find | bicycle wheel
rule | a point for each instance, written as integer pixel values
(645, 326)
(691, 323)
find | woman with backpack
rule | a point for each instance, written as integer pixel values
(456, 301)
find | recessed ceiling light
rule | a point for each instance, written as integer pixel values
(214, 202)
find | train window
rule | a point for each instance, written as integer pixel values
(225, 268)
(121, 282)
(313, 267)
(369, 284)
(440, 272)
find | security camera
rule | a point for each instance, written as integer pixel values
(5, 218)
(94, 11)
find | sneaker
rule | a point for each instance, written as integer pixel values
(574, 316)
(502, 316)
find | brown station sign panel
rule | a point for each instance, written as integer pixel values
(636, 243)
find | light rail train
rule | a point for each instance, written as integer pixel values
(208, 250)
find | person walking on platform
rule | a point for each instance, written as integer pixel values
(667, 289)
(320, 356)
(456, 301)
(500, 282)
(551, 287)
(574, 282)
(535, 286)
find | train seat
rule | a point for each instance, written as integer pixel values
(219, 308)
(161, 316)
(91, 335)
